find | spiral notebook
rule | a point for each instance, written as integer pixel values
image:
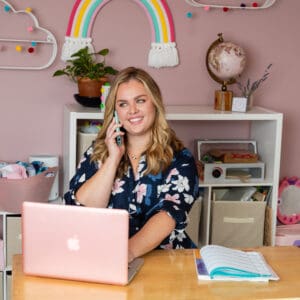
(226, 264)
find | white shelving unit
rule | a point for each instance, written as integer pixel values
(263, 125)
(12, 244)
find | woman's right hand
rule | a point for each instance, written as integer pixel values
(93, 194)
(115, 151)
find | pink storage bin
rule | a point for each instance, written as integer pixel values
(13, 192)
(287, 235)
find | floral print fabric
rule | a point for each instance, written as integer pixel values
(173, 191)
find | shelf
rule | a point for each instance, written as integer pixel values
(232, 184)
(186, 113)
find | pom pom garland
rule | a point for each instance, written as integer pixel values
(6, 8)
(242, 5)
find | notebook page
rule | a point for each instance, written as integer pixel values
(264, 267)
(216, 257)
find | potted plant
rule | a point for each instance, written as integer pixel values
(248, 88)
(87, 71)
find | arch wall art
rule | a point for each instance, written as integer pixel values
(163, 51)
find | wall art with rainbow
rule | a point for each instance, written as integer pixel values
(163, 52)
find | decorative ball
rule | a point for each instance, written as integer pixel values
(189, 15)
(206, 7)
(226, 60)
(18, 48)
(30, 50)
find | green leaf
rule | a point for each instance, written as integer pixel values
(59, 73)
(103, 52)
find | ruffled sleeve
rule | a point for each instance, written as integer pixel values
(181, 188)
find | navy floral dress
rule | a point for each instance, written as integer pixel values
(173, 191)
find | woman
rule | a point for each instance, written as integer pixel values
(150, 174)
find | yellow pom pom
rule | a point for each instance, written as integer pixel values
(18, 48)
(28, 9)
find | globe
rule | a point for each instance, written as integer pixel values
(225, 61)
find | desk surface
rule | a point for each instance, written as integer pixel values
(168, 274)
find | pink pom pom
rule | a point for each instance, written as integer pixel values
(206, 7)
(30, 29)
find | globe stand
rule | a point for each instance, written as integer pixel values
(223, 99)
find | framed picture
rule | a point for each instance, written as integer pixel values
(239, 104)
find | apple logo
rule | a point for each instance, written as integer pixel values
(73, 243)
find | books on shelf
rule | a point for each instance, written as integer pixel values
(226, 264)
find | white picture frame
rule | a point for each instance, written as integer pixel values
(239, 104)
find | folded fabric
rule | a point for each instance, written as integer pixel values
(3, 164)
(13, 171)
(20, 169)
(30, 169)
(39, 166)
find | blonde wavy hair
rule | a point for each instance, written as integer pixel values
(164, 141)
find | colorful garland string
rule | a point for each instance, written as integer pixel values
(254, 5)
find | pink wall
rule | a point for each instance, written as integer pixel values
(32, 102)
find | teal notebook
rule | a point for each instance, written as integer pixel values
(222, 263)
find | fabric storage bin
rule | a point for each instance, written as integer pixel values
(13, 237)
(84, 141)
(1, 285)
(13, 192)
(237, 223)
(1, 256)
(192, 228)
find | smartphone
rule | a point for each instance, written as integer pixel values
(118, 138)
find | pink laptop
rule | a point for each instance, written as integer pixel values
(77, 243)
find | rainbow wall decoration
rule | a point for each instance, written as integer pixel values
(163, 52)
